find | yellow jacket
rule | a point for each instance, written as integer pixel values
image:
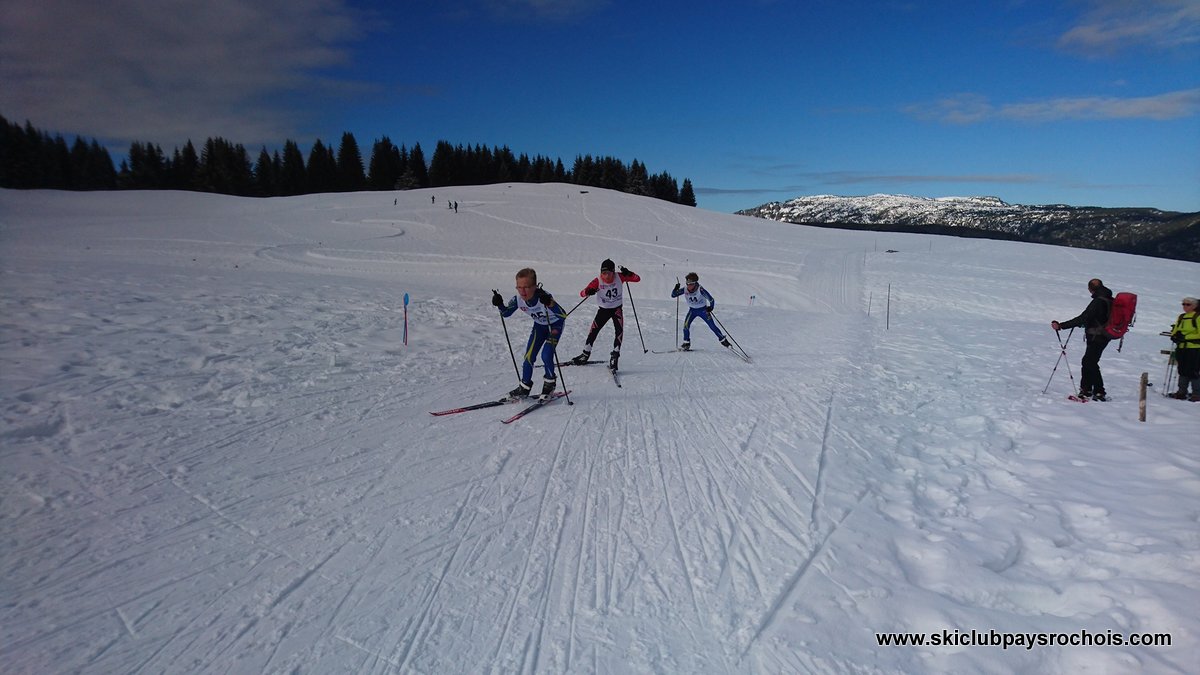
(1186, 326)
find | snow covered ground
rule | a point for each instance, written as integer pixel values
(217, 453)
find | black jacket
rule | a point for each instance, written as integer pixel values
(1095, 315)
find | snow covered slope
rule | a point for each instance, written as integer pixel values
(218, 457)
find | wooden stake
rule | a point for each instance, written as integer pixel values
(1142, 398)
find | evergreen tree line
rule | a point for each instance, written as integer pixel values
(30, 158)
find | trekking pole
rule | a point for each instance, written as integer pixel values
(578, 304)
(506, 339)
(635, 319)
(1169, 375)
(728, 334)
(1062, 352)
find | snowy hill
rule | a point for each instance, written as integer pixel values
(218, 454)
(1131, 230)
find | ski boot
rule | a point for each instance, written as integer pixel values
(612, 360)
(686, 346)
(582, 358)
(1099, 396)
(1179, 395)
(548, 386)
(724, 342)
(521, 391)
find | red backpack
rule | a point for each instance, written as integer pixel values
(1121, 315)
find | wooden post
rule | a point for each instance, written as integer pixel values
(1142, 398)
(887, 322)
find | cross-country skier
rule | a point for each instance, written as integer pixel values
(700, 305)
(548, 321)
(610, 295)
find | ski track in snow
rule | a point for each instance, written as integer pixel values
(218, 454)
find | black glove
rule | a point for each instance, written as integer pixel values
(676, 286)
(625, 270)
(1177, 337)
(590, 291)
(497, 300)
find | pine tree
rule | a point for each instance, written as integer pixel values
(418, 167)
(321, 169)
(184, 167)
(293, 177)
(687, 196)
(386, 167)
(266, 174)
(350, 165)
(638, 178)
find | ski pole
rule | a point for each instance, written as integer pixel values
(727, 333)
(578, 304)
(1062, 352)
(506, 339)
(406, 319)
(677, 315)
(558, 366)
(635, 319)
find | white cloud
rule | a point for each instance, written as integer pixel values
(556, 10)
(973, 108)
(164, 72)
(1110, 26)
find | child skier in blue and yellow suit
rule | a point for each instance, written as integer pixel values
(548, 320)
(700, 305)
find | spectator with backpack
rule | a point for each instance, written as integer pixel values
(1093, 320)
(1186, 336)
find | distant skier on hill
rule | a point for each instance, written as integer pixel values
(610, 296)
(548, 320)
(700, 305)
(1093, 319)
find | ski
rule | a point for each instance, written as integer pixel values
(534, 406)
(564, 364)
(616, 380)
(1078, 399)
(477, 406)
(672, 351)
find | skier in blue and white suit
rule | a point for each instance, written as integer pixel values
(548, 320)
(700, 305)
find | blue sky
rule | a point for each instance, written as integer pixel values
(1087, 102)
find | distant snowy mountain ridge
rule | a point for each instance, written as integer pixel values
(1146, 231)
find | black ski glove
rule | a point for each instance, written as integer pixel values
(625, 270)
(1177, 337)
(676, 287)
(590, 291)
(497, 300)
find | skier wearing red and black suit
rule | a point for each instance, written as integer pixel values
(1093, 319)
(609, 291)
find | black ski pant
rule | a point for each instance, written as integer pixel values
(1189, 369)
(602, 316)
(1090, 380)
